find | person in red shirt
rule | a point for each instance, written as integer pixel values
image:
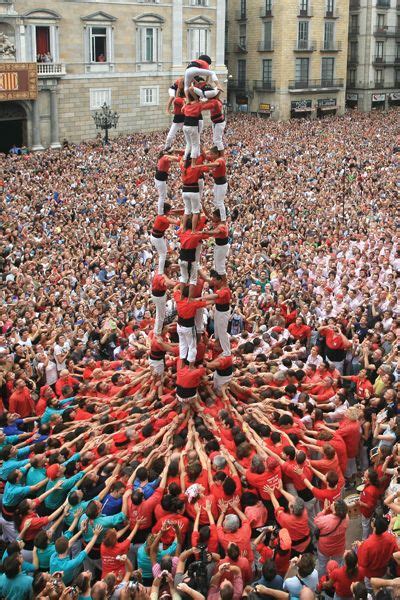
(364, 388)
(161, 177)
(159, 346)
(159, 286)
(341, 578)
(21, 401)
(299, 330)
(222, 296)
(45, 394)
(187, 381)
(350, 431)
(295, 521)
(113, 553)
(375, 552)
(368, 500)
(191, 190)
(188, 255)
(64, 379)
(186, 308)
(336, 345)
(230, 531)
(192, 112)
(218, 166)
(223, 372)
(160, 226)
(177, 122)
(198, 68)
(221, 248)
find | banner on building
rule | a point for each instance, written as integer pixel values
(18, 81)
(301, 105)
(264, 107)
(327, 102)
(394, 96)
(378, 97)
(352, 97)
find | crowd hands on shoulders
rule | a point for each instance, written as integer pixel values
(119, 483)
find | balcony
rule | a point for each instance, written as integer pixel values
(238, 85)
(332, 14)
(330, 46)
(267, 85)
(266, 11)
(315, 85)
(352, 59)
(382, 3)
(51, 70)
(266, 46)
(305, 46)
(236, 48)
(241, 15)
(305, 12)
(386, 61)
(353, 31)
(354, 4)
(387, 31)
(379, 84)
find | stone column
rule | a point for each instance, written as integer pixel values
(177, 28)
(36, 139)
(220, 34)
(54, 133)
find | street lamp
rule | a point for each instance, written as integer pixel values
(105, 119)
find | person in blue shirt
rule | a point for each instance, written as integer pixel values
(15, 585)
(13, 440)
(112, 503)
(148, 487)
(60, 560)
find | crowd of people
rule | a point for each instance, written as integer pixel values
(184, 417)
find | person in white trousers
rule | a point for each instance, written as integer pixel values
(198, 68)
(222, 296)
(161, 177)
(177, 121)
(220, 233)
(217, 165)
(160, 226)
(159, 287)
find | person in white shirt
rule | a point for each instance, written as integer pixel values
(61, 350)
(314, 357)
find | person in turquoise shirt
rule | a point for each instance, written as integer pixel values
(15, 548)
(60, 560)
(94, 518)
(15, 491)
(143, 557)
(76, 502)
(51, 408)
(55, 473)
(13, 440)
(37, 472)
(10, 465)
(15, 585)
(44, 548)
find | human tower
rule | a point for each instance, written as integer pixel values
(197, 91)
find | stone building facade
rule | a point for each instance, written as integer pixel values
(125, 53)
(373, 75)
(287, 58)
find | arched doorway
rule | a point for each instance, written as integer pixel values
(13, 129)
